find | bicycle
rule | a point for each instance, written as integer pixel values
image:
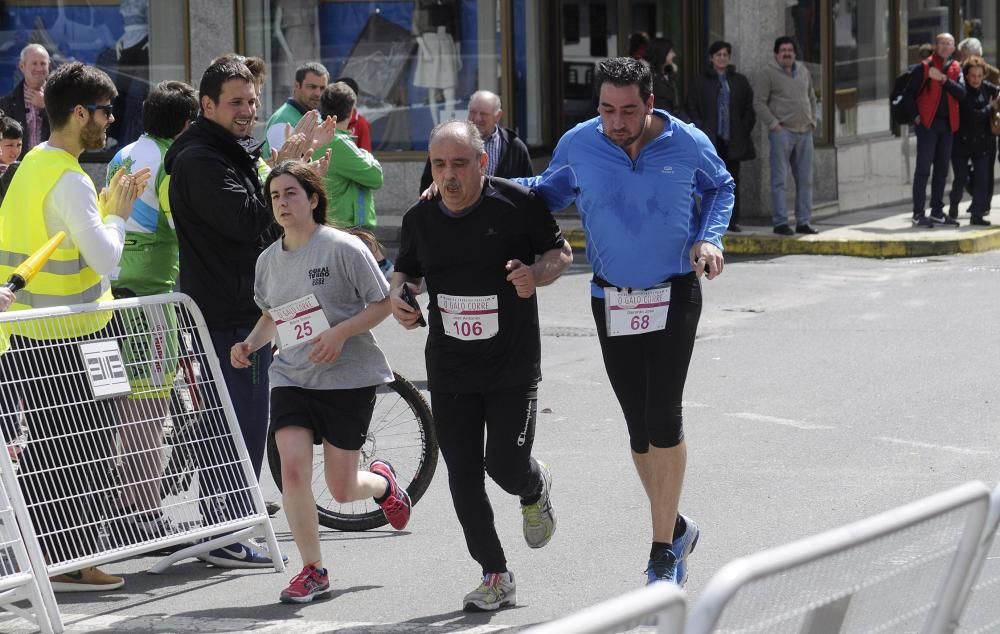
(402, 433)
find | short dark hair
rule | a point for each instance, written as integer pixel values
(10, 128)
(785, 39)
(718, 45)
(310, 67)
(623, 71)
(72, 85)
(218, 73)
(311, 182)
(350, 82)
(256, 65)
(338, 101)
(168, 106)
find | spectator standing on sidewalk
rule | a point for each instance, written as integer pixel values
(935, 88)
(358, 126)
(721, 105)
(222, 218)
(974, 142)
(354, 174)
(310, 80)
(26, 103)
(785, 101)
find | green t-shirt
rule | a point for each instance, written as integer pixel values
(149, 263)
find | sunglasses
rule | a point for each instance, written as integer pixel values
(107, 108)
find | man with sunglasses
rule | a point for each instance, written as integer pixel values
(65, 464)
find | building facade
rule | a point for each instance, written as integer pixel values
(417, 62)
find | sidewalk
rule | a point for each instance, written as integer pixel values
(882, 232)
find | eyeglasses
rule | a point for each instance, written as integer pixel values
(107, 108)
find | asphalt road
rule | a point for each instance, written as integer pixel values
(822, 390)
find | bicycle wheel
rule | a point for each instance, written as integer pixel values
(401, 433)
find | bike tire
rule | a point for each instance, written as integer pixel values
(413, 472)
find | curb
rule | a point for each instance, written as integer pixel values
(760, 244)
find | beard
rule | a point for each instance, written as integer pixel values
(93, 136)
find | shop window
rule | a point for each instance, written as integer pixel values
(861, 71)
(416, 62)
(134, 41)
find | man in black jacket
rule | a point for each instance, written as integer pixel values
(222, 215)
(508, 155)
(720, 104)
(26, 103)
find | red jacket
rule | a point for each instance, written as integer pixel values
(930, 97)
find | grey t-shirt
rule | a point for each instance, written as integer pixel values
(341, 272)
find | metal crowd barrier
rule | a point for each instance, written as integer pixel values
(978, 610)
(900, 571)
(661, 604)
(17, 581)
(126, 438)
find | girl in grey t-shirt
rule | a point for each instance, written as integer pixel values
(321, 293)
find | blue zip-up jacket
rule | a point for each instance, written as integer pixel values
(640, 218)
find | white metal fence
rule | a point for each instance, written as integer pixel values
(660, 604)
(125, 438)
(18, 583)
(979, 607)
(902, 570)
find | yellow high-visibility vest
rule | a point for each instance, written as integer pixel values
(65, 279)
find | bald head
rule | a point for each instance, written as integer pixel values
(944, 45)
(485, 111)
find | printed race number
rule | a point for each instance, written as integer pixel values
(299, 321)
(469, 317)
(637, 312)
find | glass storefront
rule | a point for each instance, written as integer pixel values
(861, 69)
(416, 62)
(135, 41)
(979, 20)
(803, 19)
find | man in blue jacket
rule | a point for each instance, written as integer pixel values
(635, 173)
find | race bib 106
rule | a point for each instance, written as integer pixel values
(469, 317)
(636, 312)
(299, 321)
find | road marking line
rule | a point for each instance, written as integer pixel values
(788, 422)
(926, 445)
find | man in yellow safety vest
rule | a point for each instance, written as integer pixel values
(64, 471)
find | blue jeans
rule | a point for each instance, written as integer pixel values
(933, 150)
(795, 150)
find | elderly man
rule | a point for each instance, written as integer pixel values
(476, 245)
(935, 89)
(507, 155)
(26, 103)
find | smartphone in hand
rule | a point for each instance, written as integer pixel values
(412, 301)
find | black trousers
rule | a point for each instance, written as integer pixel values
(65, 470)
(648, 371)
(507, 417)
(734, 171)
